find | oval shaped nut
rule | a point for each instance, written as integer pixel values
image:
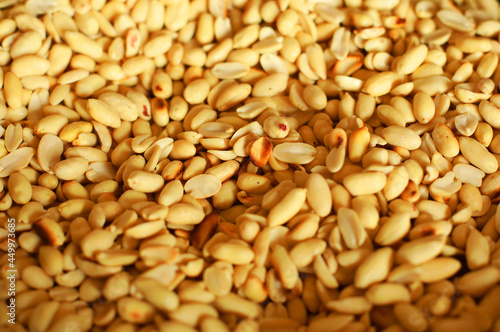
(159, 110)
(381, 83)
(271, 85)
(397, 181)
(367, 210)
(374, 268)
(238, 305)
(319, 196)
(184, 214)
(50, 231)
(350, 227)
(478, 155)
(358, 144)
(225, 170)
(246, 36)
(287, 270)
(104, 113)
(233, 253)
(423, 107)
(232, 96)
(276, 126)
(387, 294)
(216, 130)
(19, 188)
(477, 250)
(314, 97)
(488, 28)
(196, 91)
(145, 182)
(491, 184)
(137, 65)
(73, 208)
(445, 140)
(260, 151)
(35, 277)
(286, 21)
(71, 168)
(182, 150)
(219, 53)
(287, 208)
(393, 229)
(402, 136)
(303, 253)
(89, 83)
(30, 211)
(294, 153)
(28, 65)
(254, 184)
(420, 250)
(171, 193)
(463, 73)
(490, 113)
(111, 71)
(478, 282)
(438, 269)
(135, 311)
(295, 94)
(412, 59)
(13, 90)
(273, 196)
(157, 294)
(432, 85)
(42, 195)
(143, 230)
(28, 43)
(230, 70)
(354, 305)
(316, 59)
(80, 43)
(161, 85)
(157, 46)
(390, 116)
(474, 44)
(365, 183)
(51, 124)
(202, 186)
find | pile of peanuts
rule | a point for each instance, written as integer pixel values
(250, 165)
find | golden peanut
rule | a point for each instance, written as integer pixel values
(246, 165)
(19, 188)
(478, 155)
(365, 183)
